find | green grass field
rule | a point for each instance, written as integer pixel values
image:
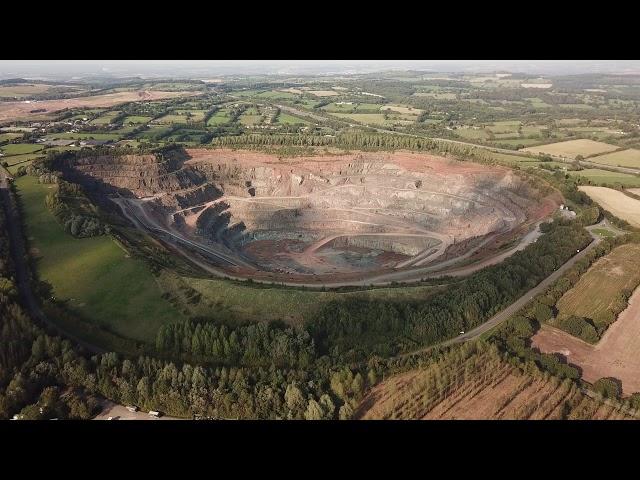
(153, 132)
(306, 103)
(66, 148)
(272, 94)
(603, 232)
(89, 272)
(538, 103)
(251, 116)
(20, 148)
(17, 159)
(20, 161)
(136, 119)
(123, 130)
(595, 176)
(9, 136)
(569, 122)
(181, 116)
(472, 133)
(275, 95)
(353, 107)
(104, 119)
(221, 117)
(625, 158)
(196, 115)
(286, 119)
(227, 300)
(507, 126)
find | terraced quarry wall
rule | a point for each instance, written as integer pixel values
(317, 215)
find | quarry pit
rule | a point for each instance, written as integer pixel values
(315, 219)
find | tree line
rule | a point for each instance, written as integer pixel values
(261, 344)
(65, 203)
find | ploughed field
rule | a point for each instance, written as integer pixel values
(315, 217)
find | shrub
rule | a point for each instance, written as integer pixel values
(579, 327)
(608, 387)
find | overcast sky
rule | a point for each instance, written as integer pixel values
(203, 68)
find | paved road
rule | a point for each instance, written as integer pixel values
(523, 300)
(19, 256)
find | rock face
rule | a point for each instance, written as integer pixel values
(319, 214)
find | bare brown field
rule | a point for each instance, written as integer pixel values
(23, 89)
(482, 387)
(21, 110)
(600, 287)
(616, 355)
(621, 205)
(572, 148)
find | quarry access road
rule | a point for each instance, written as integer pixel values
(148, 224)
(19, 255)
(521, 302)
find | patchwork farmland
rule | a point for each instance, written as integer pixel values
(320, 246)
(20, 110)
